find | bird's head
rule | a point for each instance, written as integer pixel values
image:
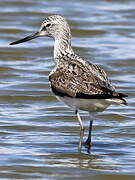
(52, 26)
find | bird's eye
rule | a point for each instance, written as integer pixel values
(44, 27)
(48, 25)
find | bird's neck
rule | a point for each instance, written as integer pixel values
(62, 46)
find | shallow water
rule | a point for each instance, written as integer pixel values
(39, 135)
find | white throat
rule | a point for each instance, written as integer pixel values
(62, 46)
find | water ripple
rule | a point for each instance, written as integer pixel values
(39, 135)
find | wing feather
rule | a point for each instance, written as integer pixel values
(81, 79)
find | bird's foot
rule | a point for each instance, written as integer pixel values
(81, 139)
(88, 144)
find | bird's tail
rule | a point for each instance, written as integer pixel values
(119, 99)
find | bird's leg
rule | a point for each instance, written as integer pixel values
(81, 130)
(79, 119)
(88, 141)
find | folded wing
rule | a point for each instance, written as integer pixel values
(80, 79)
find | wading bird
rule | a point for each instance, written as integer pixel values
(78, 83)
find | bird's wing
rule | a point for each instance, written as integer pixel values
(81, 79)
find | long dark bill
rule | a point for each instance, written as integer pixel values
(33, 36)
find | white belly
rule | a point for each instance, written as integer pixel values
(90, 105)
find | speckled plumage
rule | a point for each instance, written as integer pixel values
(77, 78)
(78, 83)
